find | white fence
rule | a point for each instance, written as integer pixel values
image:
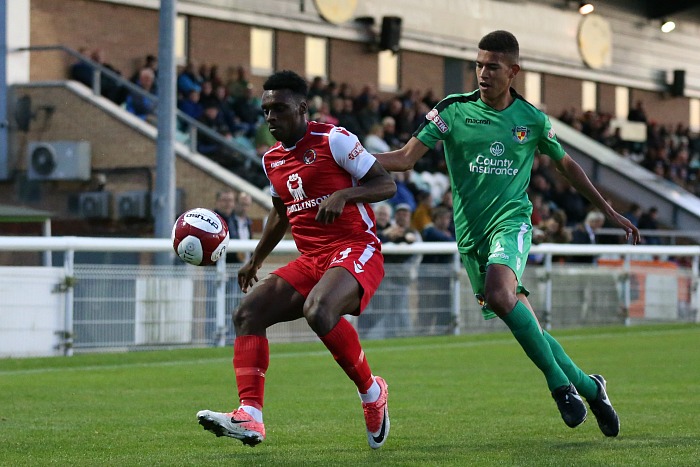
(54, 310)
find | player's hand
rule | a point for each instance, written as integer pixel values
(248, 275)
(331, 208)
(631, 231)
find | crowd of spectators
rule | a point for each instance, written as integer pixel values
(230, 106)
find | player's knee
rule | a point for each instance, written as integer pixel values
(500, 301)
(317, 312)
(244, 316)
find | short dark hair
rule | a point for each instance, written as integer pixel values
(287, 79)
(501, 42)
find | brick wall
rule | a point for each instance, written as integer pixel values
(125, 156)
(560, 93)
(422, 71)
(125, 34)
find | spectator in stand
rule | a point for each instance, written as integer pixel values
(435, 299)
(109, 88)
(263, 139)
(317, 88)
(215, 76)
(324, 115)
(237, 82)
(648, 221)
(225, 205)
(141, 105)
(374, 141)
(151, 62)
(248, 111)
(369, 115)
(348, 119)
(362, 99)
(550, 230)
(390, 135)
(188, 80)
(241, 227)
(634, 213)
(206, 94)
(637, 113)
(423, 215)
(446, 202)
(383, 214)
(404, 192)
(567, 198)
(81, 70)
(209, 146)
(585, 234)
(191, 107)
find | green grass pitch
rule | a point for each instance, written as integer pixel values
(461, 400)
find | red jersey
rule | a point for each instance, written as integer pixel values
(325, 160)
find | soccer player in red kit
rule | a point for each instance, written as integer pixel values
(321, 180)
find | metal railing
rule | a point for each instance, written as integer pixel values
(117, 306)
(194, 127)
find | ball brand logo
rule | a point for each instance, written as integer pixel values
(497, 149)
(309, 156)
(192, 217)
(296, 187)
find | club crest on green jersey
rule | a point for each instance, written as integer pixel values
(521, 134)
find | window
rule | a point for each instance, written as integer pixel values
(622, 102)
(694, 115)
(316, 57)
(181, 39)
(533, 88)
(589, 96)
(261, 51)
(388, 71)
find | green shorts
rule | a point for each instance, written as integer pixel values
(508, 245)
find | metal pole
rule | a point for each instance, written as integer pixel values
(47, 233)
(164, 196)
(221, 280)
(627, 286)
(456, 299)
(696, 287)
(548, 292)
(67, 335)
(4, 154)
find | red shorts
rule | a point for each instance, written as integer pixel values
(364, 261)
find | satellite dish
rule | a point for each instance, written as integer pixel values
(43, 160)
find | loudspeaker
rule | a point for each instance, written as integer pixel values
(391, 33)
(678, 85)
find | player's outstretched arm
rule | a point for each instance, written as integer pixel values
(376, 185)
(404, 158)
(573, 172)
(273, 233)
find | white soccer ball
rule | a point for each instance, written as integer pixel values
(200, 237)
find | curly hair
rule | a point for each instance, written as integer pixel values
(287, 79)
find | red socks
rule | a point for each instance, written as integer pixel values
(251, 358)
(344, 344)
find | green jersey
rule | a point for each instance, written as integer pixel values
(489, 155)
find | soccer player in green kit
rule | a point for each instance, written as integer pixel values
(490, 137)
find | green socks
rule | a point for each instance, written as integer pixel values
(584, 383)
(526, 331)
